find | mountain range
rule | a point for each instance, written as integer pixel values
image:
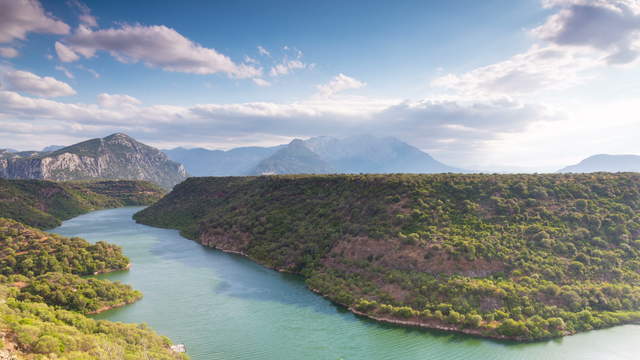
(318, 155)
(115, 157)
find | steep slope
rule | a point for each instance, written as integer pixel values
(506, 256)
(375, 155)
(295, 158)
(117, 156)
(45, 204)
(234, 162)
(605, 163)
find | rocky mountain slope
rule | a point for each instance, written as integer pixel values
(117, 156)
(506, 256)
(605, 163)
(45, 204)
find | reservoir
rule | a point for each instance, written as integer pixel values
(223, 306)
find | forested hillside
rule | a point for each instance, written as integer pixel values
(44, 204)
(40, 278)
(507, 256)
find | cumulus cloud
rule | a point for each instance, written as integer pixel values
(117, 100)
(261, 82)
(64, 53)
(8, 52)
(19, 17)
(579, 37)
(610, 26)
(340, 82)
(156, 46)
(539, 68)
(30, 83)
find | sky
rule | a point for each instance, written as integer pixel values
(493, 85)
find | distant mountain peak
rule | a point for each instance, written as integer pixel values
(363, 153)
(605, 163)
(295, 158)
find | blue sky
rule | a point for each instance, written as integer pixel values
(484, 84)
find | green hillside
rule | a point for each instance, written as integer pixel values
(40, 278)
(36, 331)
(507, 256)
(44, 204)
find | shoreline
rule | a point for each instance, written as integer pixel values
(111, 307)
(435, 325)
(387, 320)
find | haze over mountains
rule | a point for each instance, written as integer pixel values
(605, 163)
(117, 156)
(318, 155)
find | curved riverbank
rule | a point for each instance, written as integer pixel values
(224, 306)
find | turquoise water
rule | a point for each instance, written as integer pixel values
(223, 306)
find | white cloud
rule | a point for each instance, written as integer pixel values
(30, 83)
(249, 60)
(65, 71)
(609, 26)
(340, 82)
(261, 82)
(85, 16)
(286, 66)
(156, 46)
(65, 54)
(579, 38)
(117, 100)
(89, 70)
(537, 69)
(8, 52)
(19, 17)
(262, 51)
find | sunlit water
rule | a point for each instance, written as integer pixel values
(226, 307)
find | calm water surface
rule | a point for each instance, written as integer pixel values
(226, 307)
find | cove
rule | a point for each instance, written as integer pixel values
(223, 306)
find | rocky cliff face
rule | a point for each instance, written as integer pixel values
(117, 156)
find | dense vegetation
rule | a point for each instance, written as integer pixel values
(40, 277)
(31, 252)
(34, 330)
(514, 256)
(72, 292)
(44, 204)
